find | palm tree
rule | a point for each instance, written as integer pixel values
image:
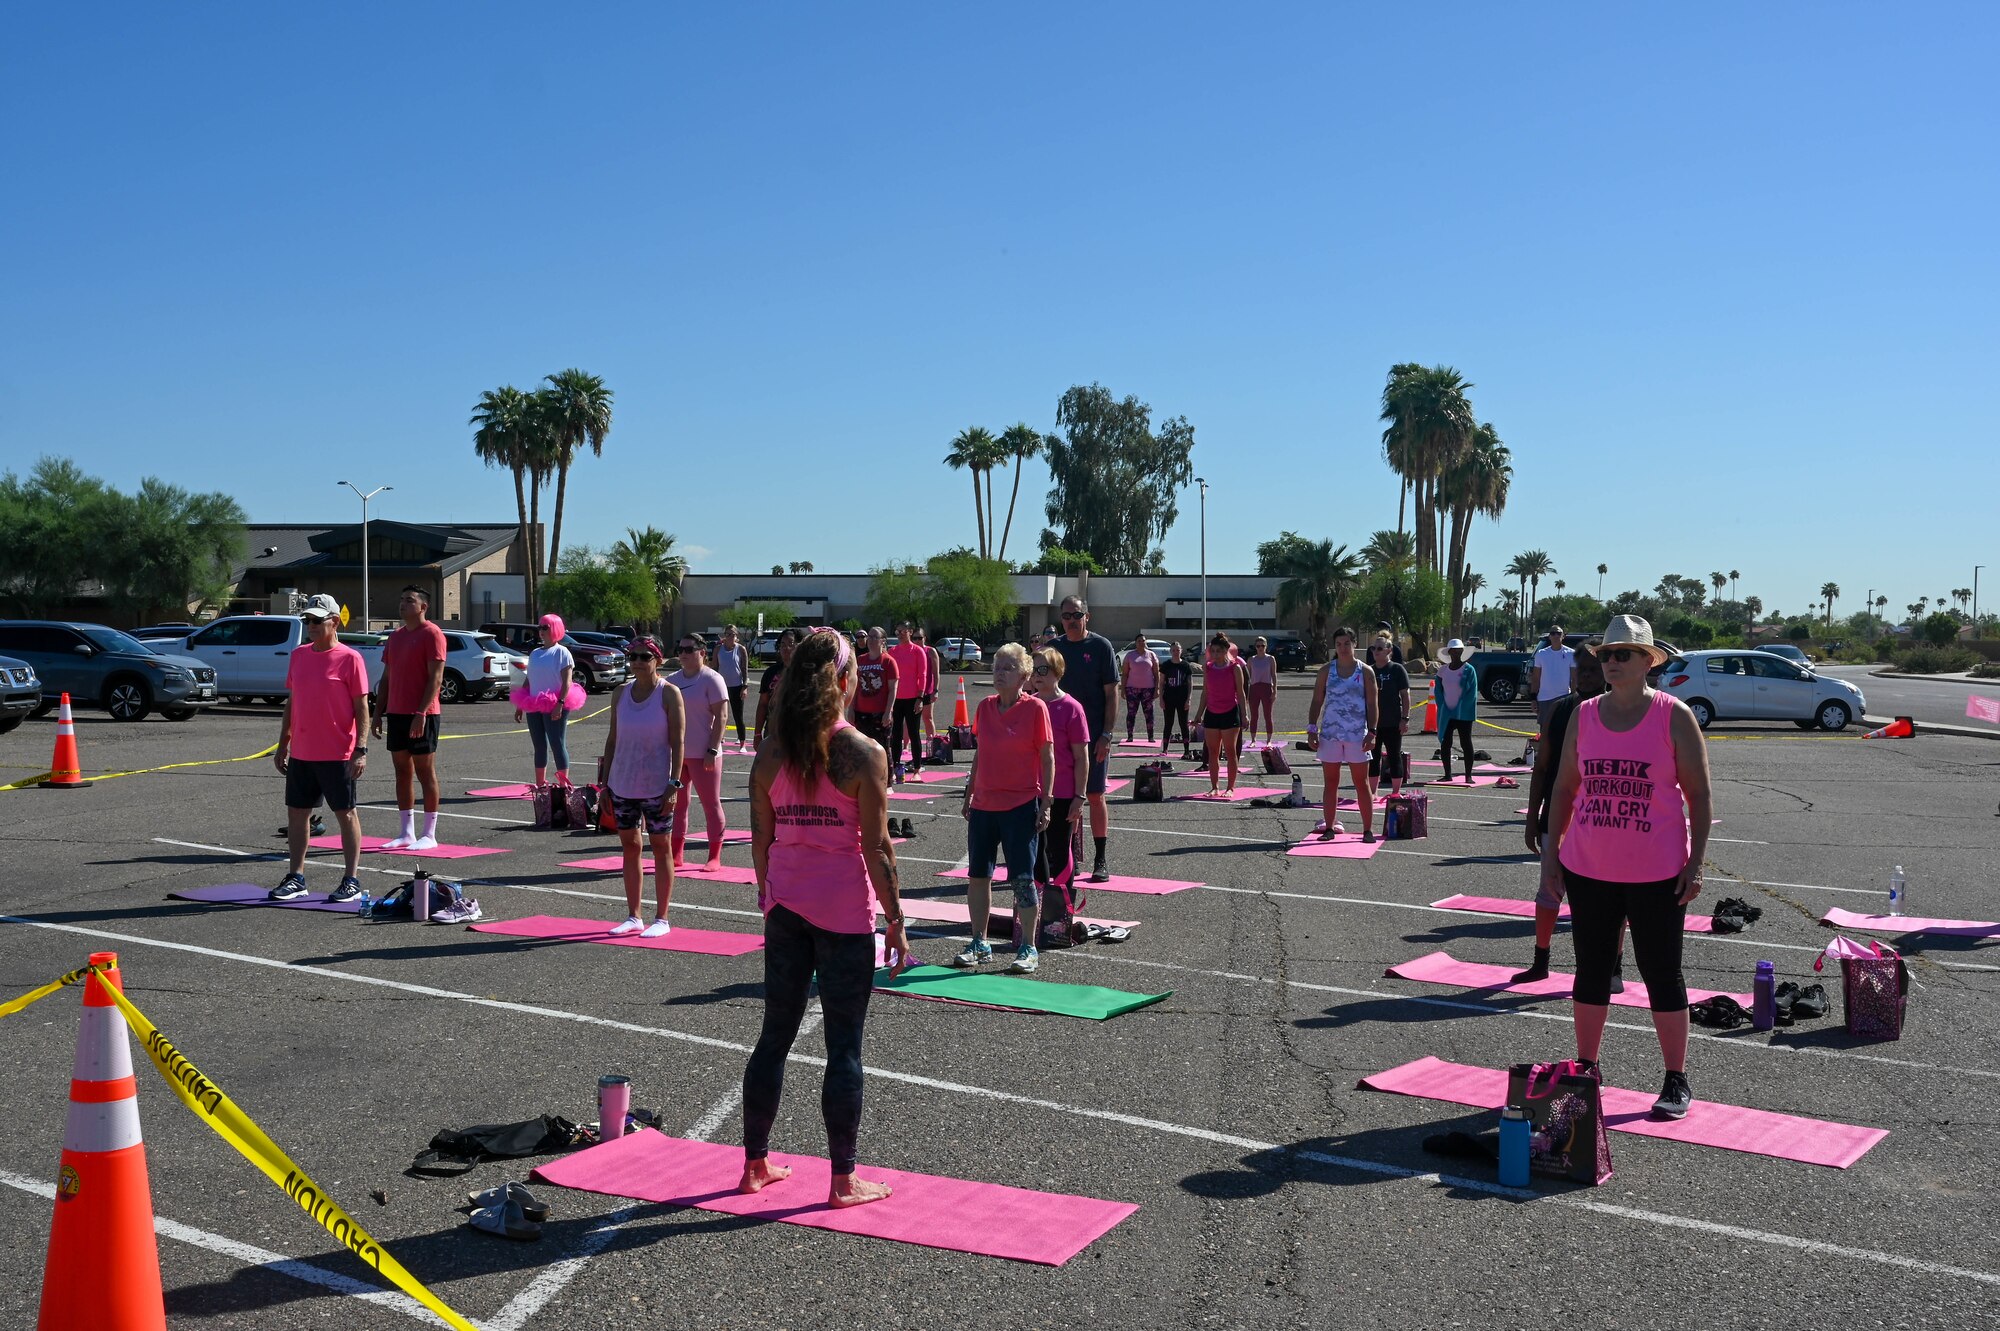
(1963, 596)
(1018, 442)
(1470, 584)
(1560, 584)
(1388, 549)
(800, 566)
(1318, 578)
(1530, 566)
(1510, 601)
(1881, 604)
(1829, 591)
(1718, 581)
(653, 550)
(577, 407)
(1733, 576)
(973, 451)
(1753, 606)
(1475, 485)
(1602, 569)
(1430, 423)
(500, 438)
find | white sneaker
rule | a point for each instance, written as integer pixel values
(657, 929)
(632, 925)
(424, 843)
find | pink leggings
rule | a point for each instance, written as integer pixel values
(707, 782)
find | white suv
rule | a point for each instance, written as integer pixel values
(959, 652)
(476, 666)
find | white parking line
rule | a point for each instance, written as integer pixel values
(1378, 1168)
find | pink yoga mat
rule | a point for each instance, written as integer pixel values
(1981, 708)
(1731, 1127)
(1458, 782)
(954, 1214)
(1696, 924)
(932, 778)
(441, 852)
(1347, 847)
(558, 928)
(957, 912)
(916, 795)
(1909, 924)
(513, 792)
(1443, 968)
(1152, 887)
(1491, 769)
(616, 864)
(1242, 793)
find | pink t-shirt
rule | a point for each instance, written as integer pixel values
(817, 868)
(913, 670)
(699, 692)
(1068, 726)
(1629, 823)
(406, 668)
(1009, 756)
(324, 686)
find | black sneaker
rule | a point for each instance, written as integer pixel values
(317, 826)
(1676, 1097)
(1098, 873)
(349, 889)
(290, 888)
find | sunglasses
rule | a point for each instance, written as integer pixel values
(687, 647)
(1620, 654)
(312, 620)
(1043, 670)
(1072, 614)
(640, 656)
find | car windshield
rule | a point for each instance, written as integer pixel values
(111, 640)
(488, 643)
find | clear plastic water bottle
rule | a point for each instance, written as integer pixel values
(1514, 1134)
(1899, 892)
(366, 902)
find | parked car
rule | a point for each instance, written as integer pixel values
(1291, 653)
(1760, 686)
(960, 652)
(162, 632)
(1796, 655)
(251, 653)
(597, 667)
(108, 668)
(20, 693)
(476, 666)
(597, 638)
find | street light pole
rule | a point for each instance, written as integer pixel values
(1868, 608)
(364, 543)
(1204, 562)
(1975, 598)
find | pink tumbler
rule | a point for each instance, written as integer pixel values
(614, 1102)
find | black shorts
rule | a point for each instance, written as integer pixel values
(398, 729)
(1229, 720)
(307, 783)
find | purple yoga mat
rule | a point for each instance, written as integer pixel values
(373, 844)
(1696, 924)
(1444, 968)
(1810, 1141)
(1909, 924)
(249, 894)
(1348, 846)
(1152, 887)
(955, 1214)
(560, 928)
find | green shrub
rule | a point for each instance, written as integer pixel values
(1858, 653)
(1940, 629)
(1885, 648)
(1936, 660)
(1986, 670)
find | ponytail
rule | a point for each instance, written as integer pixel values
(810, 698)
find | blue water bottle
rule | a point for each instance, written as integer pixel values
(1514, 1133)
(1764, 997)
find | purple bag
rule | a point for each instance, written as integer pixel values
(1565, 1108)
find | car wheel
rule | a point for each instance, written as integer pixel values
(11, 723)
(1834, 716)
(1704, 711)
(178, 713)
(452, 687)
(585, 678)
(1504, 689)
(128, 699)
(240, 700)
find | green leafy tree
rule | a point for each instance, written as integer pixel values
(1318, 577)
(575, 409)
(967, 596)
(652, 551)
(1411, 598)
(171, 550)
(51, 526)
(1115, 476)
(587, 586)
(897, 592)
(776, 614)
(1018, 443)
(504, 435)
(1276, 556)
(1063, 563)
(1940, 628)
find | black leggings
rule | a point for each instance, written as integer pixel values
(736, 708)
(1055, 849)
(1599, 910)
(1174, 705)
(1463, 729)
(909, 715)
(793, 950)
(1386, 762)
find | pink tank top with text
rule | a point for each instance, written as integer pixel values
(817, 869)
(1629, 823)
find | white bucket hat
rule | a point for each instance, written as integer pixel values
(1630, 631)
(1455, 645)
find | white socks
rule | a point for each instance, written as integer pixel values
(429, 840)
(657, 929)
(632, 925)
(405, 839)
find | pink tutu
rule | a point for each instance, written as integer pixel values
(546, 700)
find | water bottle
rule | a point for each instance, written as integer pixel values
(1899, 892)
(1298, 792)
(365, 901)
(1513, 1148)
(420, 896)
(1764, 997)
(614, 1102)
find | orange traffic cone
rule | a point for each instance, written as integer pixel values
(103, 1268)
(959, 715)
(1431, 717)
(1901, 728)
(66, 768)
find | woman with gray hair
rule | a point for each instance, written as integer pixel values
(1006, 804)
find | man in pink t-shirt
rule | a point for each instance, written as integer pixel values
(412, 672)
(913, 668)
(319, 744)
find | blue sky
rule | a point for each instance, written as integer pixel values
(1724, 279)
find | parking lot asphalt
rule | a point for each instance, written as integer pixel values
(1271, 1191)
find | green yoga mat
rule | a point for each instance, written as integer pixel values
(998, 989)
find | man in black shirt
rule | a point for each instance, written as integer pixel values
(1090, 675)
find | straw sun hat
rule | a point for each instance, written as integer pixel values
(1630, 631)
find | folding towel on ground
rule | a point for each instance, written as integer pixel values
(1696, 924)
(562, 929)
(1151, 887)
(1444, 968)
(1731, 1127)
(998, 989)
(374, 844)
(1348, 846)
(1910, 924)
(249, 894)
(954, 1214)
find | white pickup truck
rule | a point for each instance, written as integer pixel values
(250, 653)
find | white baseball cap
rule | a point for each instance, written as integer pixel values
(321, 606)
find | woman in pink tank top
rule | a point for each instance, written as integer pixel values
(1225, 683)
(819, 837)
(1628, 830)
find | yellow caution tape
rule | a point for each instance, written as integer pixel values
(35, 996)
(230, 1123)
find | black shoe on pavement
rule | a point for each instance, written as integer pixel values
(1538, 971)
(1676, 1097)
(1098, 873)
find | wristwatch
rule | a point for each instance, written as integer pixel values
(361, 751)
(713, 750)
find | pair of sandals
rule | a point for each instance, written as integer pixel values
(509, 1211)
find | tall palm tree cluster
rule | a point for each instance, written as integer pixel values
(976, 450)
(537, 435)
(1454, 466)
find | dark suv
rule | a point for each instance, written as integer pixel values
(101, 666)
(597, 667)
(20, 693)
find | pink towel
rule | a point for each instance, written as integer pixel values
(557, 928)
(1696, 924)
(1443, 968)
